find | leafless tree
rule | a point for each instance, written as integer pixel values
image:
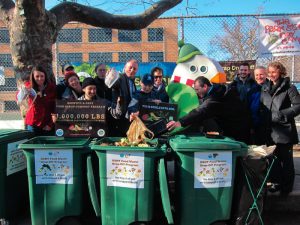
(33, 29)
(238, 39)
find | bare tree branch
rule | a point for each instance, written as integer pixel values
(239, 39)
(67, 12)
(6, 8)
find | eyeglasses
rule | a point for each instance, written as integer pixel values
(156, 77)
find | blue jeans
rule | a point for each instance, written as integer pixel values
(38, 131)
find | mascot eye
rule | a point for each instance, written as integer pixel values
(193, 69)
(203, 69)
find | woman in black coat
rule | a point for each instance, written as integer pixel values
(281, 103)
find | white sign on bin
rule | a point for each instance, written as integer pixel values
(125, 169)
(16, 160)
(212, 169)
(53, 166)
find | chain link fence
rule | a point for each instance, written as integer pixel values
(223, 38)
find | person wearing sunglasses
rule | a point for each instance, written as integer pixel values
(159, 84)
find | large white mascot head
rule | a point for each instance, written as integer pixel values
(192, 63)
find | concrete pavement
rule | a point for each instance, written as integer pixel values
(290, 203)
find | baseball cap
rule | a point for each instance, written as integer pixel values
(66, 66)
(148, 79)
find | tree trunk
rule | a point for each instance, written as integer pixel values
(31, 39)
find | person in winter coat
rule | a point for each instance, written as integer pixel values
(222, 105)
(281, 101)
(122, 92)
(144, 95)
(38, 117)
(248, 90)
(73, 87)
(61, 86)
(102, 90)
(257, 112)
(89, 89)
(159, 85)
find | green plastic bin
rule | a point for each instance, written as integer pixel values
(127, 182)
(205, 171)
(55, 177)
(13, 179)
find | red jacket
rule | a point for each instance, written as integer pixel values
(39, 113)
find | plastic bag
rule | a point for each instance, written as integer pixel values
(260, 151)
(111, 77)
(137, 130)
(22, 98)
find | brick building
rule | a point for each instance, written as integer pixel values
(79, 43)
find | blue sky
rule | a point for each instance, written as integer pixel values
(199, 7)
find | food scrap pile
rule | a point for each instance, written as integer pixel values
(125, 142)
(135, 135)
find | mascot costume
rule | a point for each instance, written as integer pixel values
(191, 64)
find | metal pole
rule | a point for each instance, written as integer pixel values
(182, 28)
(55, 62)
(293, 68)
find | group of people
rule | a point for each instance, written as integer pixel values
(256, 111)
(122, 99)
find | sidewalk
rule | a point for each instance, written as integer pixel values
(291, 203)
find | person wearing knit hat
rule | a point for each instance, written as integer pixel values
(90, 93)
(73, 88)
(70, 74)
(89, 88)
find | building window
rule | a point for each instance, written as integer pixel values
(155, 56)
(155, 34)
(100, 35)
(126, 56)
(129, 35)
(64, 58)
(10, 106)
(9, 84)
(70, 35)
(100, 57)
(6, 60)
(4, 36)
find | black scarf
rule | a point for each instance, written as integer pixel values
(273, 87)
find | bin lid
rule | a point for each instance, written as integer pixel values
(9, 131)
(49, 142)
(97, 146)
(196, 143)
(14, 135)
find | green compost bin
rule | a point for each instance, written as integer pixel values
(55, 177)
(13, 179)
(205, 171)
(127, 182)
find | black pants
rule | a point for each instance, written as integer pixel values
(283, 171)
